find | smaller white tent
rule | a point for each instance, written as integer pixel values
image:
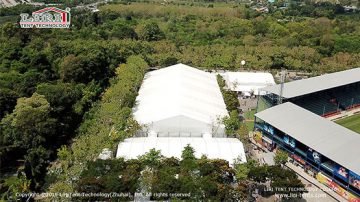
(214, 148)
(248, 82)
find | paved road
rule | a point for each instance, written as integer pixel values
(315, 194)
(8, 3)
(247, 104)
(315, 188)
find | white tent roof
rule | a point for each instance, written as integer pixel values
(105, 154)
(214, 148)
(248, 81)
(179, 90)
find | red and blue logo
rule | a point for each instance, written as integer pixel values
(49, 17)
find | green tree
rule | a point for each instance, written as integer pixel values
(242, 170)
(166, 178)
(281, 157)
(7, 101)
(152, 32)
(91, 185)
(230, 97)
(113, 175)
(9, 29)
(243, 133)
(188, 166)
(294, 188)
(123, 31)
(261, 26)
(72, 68)
(36, 161)
(232, 123)
(61, 96)
(12, 186)
(30, 125)
(85, 67)
(259, 173)
(281, 178)
(63, 153)
(188, 153)
(151, 158)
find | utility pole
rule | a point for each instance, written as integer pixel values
(282, 81)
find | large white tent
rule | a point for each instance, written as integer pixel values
(248, 82)
(181, 105)
(180, 101)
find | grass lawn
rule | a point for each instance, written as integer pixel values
(249, 119)
(352, 123)
(250, 114)
(250, 125)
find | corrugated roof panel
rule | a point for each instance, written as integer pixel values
(330, 139)
(316, 84)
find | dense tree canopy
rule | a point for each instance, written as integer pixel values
(168, 178)
(30, 124)
(75, 87)
(281, 157)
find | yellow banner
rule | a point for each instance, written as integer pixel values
(337, 188)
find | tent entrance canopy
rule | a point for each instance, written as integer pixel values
(214, 148)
